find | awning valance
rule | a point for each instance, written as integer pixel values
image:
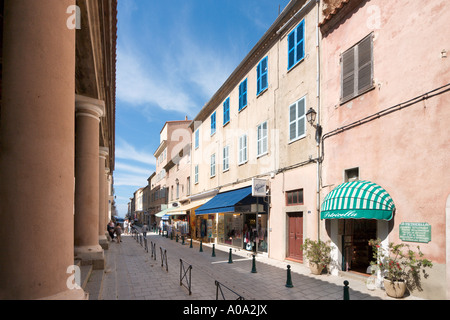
(358, 200)
(224, 202)
(182, 210)
(163, 212)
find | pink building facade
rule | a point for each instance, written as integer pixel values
(385, 116)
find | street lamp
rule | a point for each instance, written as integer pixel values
(311, 118)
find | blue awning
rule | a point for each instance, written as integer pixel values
(224, 202)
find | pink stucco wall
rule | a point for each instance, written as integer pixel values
(407, 151)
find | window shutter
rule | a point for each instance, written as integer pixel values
(244, 94)
(264, 140)
(301, 117)
(291, 49)
(264, 74)
(300, 41)
(292, 121)
(348, 74)
(240, 150)
(365, 64)
(258, 78)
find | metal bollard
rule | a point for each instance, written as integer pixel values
(213, 251)
(190, 244)
(346, 290)
(254, 265)
(230, 260)
(182, 240)
(289, 280)
(201, 247)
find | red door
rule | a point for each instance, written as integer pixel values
(295, 235)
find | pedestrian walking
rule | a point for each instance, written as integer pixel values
(125, 227)
(118, 231)
(144, 230)
(110, 229)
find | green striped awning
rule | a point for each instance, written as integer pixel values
(358, 200)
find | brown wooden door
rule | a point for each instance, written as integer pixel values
(295, 235)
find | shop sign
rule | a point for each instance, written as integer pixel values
(415, 232)
(341, 215)
(259, 187)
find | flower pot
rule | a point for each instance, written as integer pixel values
(316, 268)
(394, 289)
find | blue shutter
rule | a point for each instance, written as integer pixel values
(258, 78)
(261, 76)
(226, 111)
(291, 49)
(296, 45)
(243, 94)
(300, 41)
(213, 123)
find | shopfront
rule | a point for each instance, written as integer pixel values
(357, 212)
(235, 218)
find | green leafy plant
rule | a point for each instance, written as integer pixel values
(398, 262)
(317, 251)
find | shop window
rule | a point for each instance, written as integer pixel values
(294, 197)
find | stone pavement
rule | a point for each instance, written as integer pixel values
(131, 273)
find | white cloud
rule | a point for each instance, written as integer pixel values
(131, 168)
(132, 180)
(139, 86)
(126, 151)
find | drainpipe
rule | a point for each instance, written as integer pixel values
(318, 138)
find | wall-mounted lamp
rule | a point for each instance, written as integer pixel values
(311, 118)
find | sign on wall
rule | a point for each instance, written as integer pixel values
(415, 232)
(259, 187)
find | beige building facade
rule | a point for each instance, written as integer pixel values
(255, 127)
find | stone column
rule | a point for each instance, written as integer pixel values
(37, 152)
(102, 199)
(87, 126)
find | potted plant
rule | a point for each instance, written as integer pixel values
(400, 266)
(317, 253)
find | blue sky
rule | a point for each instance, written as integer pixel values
(172, 56)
